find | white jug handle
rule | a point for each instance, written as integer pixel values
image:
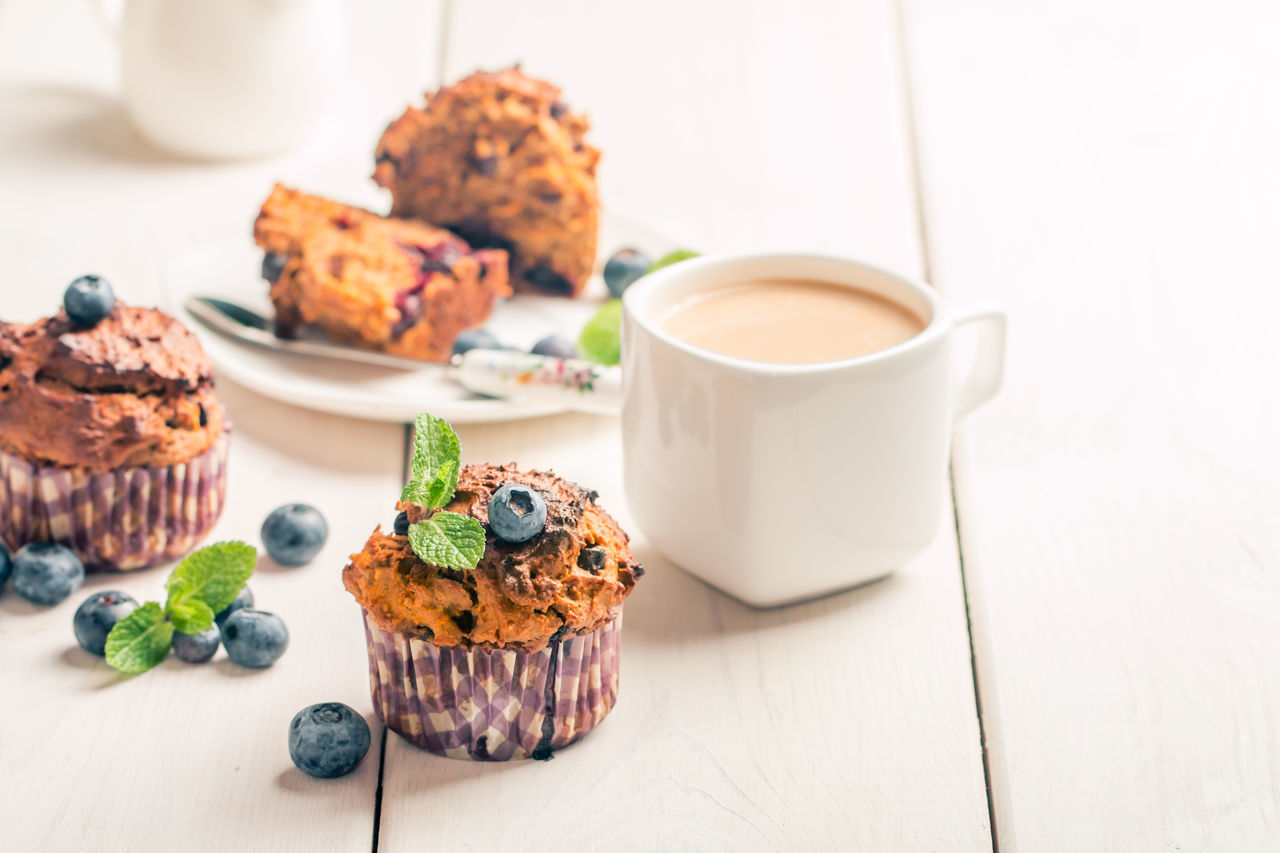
(984, 377)
(109, 14)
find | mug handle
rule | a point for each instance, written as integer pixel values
(984, 377)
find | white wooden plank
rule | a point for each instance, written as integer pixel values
(845, 723)
(1108, 172)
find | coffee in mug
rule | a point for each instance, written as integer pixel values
(791, 321)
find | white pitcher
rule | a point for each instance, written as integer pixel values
(226, 78)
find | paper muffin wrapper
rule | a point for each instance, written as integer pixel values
(120, 520)
(493, 704)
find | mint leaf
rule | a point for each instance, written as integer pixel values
(214, 575)
(435, 493)
(670, 258)
(191, 616)
(416, 492)
(601, 338)
(448, 539)
(434, 445)
(140, 640)
(441, 490)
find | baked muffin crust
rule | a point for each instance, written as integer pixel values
(399, 286)
(134, 390)
(501, 160)
(571, 578)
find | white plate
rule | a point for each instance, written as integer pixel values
(232, 271)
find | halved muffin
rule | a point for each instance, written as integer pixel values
(393, 285)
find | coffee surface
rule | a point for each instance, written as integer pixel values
(790, 321)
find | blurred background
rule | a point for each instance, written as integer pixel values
(688, 130)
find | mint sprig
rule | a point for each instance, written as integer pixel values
(207, 581)
(433, 470)
(140, 640)
(601, 338)
(448, 539)
(443, 538)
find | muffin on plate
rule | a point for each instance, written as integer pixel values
(111, 439)
(399, 286)
(516, 656)
(502, 161)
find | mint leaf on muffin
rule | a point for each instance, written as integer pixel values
(449, 540)
(441, 489)
(445, 539)
(203, 584)
(140, 640)
(433, 470)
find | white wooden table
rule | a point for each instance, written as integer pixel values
(1087, 659)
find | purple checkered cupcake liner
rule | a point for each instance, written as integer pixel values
(493, 704)
(120, 520)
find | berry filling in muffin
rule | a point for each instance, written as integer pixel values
(393, 285)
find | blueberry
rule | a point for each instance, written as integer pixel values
(624, 268)
(254, 638)
(46, 572)
(97, 616)
(243, 599)
(294, 533)
(196, 648)
(402, 524)
(556, 347)
(6, 564)
(593, 559)
(88, 300)
(547, 279)
(272, 265)
(328, 740)
(475, 339)
(517, 513)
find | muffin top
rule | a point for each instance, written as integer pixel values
(570, 578)
(134, 390)
(502, 160)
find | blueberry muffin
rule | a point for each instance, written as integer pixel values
(393, 285)
(502, 161)
(111, 439)
(516, 657)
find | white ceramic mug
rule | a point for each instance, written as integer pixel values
(781, 482)
(226, 78)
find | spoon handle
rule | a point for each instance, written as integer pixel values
(579, 385)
